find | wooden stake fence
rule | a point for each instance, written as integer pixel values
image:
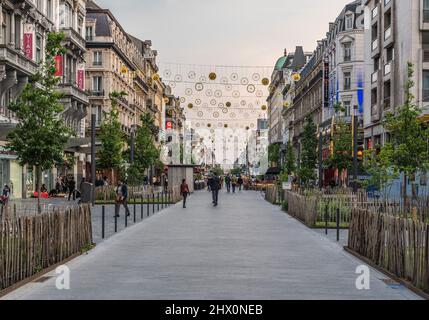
(30, 244)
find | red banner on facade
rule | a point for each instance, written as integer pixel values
(28, 45)
(58, 66)
(169, 125)
(81, 79)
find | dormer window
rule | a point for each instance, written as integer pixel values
(349, 21)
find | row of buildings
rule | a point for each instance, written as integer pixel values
(101, 57)
(362, 64)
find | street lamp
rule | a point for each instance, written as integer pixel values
(355, 149)
(321, 158)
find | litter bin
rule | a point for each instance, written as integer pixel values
(86, 196)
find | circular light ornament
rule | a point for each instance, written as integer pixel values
(209, 125)
(221, 105)
(172, 84)
(212, 76)
(226, 127)
(259, 93)
(250, 106)
(225, 111)
(224, 80)
(256, 77)
(286, 104)
(182, 99)
(188, 91)
(213, 102)
(167, 73)
(264, 108)
(243, 103)
(265, 81)
(296, 77)
(247, 128)
(244, 81)
(234, 77)
(233, 115)
(209, 92)
(199, 86)
(155, 77)
(198, 102)
(218, 93)
(200, 114)
(192, 75)
(198, 125)
(190, 106)
(178, 78)
(228, 87)
(251, 88)
(203, 79)
(236, 94)
(252, 125)
(228, 104)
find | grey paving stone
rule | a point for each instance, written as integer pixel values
(243, 249)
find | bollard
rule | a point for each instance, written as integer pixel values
(338, 225)
(116, 223)
(153, 203)
(126, 220)
(157, 201)
(148, 205)
(135, 210)
(141, 207)
(326, 217)
(103, 212)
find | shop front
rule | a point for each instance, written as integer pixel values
(11, 173)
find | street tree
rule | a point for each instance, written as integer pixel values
(41, 135)
(342, 155)
(112, 138)
(289, 167)
(308, 165)
(408, 148)
(146, 153)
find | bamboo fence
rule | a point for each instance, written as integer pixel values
(30, 244)
(398, 245)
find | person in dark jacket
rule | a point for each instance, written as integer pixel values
(72, 188)
(121, 198)
(228, 183)
(184, 191)
(215, 187)
(240, 183)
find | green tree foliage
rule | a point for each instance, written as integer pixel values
(41, 134)
(307, 170)
(380, 171)
(408, 149)
(342, 155)
(274, 154)
(289, 167)
(146, 153)
(110, 156)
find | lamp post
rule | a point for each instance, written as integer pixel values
(132, 147)
(93, 125)
(355, 149)
(321, 158)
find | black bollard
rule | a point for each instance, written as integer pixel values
(153, 203)
(135, 206)
(116, 223)
(157, 201)
(141, 207)
(103, 212)
(338, 225)
(326, 217)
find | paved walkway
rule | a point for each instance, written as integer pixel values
(244, 249)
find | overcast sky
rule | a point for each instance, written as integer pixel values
(226, 32)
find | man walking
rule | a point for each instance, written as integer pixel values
(234, 183)
(72, 188)
(228, 183)
(184, 191)
(121, 199)
(215, 186)
(240, 183)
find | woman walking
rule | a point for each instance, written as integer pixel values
(184, 191)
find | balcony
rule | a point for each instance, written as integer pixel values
(96, 93)
(374, 45)
(70, 90)
(374, 13)
(17, 60)
(75, 38)
(388, 33)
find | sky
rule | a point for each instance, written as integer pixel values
(226, 32)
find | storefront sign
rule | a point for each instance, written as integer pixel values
(28, 41)
(326, 85)
(169, 125)
(59, 66)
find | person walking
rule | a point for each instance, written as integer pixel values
(72, 188)
(240, 183)
(215, 187)
(228, 183)
(121, 198)
(234, 183)
(184, 191)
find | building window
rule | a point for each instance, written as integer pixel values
(97, 85)
(38, 48)
(347, 51)
(349, 22)
(347, 108)
(89, 33)
(66, 16)
(426, 11)
(98, 58)
(49, 9)
(426, 85)
(347, 80)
